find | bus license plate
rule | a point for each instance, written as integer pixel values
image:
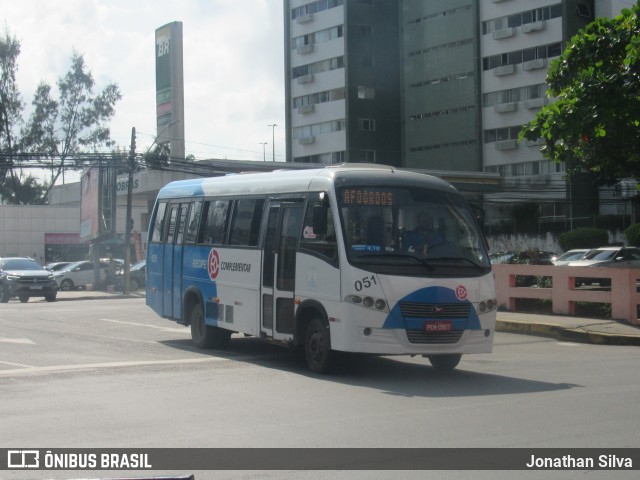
(35, 287)
(440, 326)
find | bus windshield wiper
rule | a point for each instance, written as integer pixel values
(396, 255)
(455, 259)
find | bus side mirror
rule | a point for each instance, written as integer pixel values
(320, 219)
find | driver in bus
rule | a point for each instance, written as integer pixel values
(423, 236)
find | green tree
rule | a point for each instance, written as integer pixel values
(11, 106)
(22, 189)
(57, 132)
(594, 124)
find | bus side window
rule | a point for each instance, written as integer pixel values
(158, 222)
(245, 226)
(214, 227)
(182, 220)
(173, 220)
(193, 223)
(323, 243)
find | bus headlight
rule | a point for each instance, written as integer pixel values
(368, 302)
(486, 305)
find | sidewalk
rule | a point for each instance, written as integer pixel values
(563, 328)
(569, 329)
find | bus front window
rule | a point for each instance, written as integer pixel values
(409, 227)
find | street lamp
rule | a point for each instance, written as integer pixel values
(264, 158)
(273, 139)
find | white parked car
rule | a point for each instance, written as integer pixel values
(569, 256)
(609, 257)
(79, 274)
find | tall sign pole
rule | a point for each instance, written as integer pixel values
(170, 89)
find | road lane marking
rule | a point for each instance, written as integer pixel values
(164, 329)
(16, 364)
(24, 341)
(92, 366)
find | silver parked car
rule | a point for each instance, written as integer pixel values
(569, 256)
(80, 274)
(617, 257)
(609, 257)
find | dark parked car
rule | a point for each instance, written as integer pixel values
(526, 257)
(137, 276)
(24, 278)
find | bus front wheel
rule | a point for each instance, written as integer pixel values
(317, 349)
(445, 363)
(206, 336)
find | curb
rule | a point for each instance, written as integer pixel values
(558, 332)
(98, 297)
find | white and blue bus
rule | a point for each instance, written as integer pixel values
(326, 260)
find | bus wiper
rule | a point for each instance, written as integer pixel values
(476, 265)
(396, 255)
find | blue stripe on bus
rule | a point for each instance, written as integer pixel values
(182, 188)
(432, 295)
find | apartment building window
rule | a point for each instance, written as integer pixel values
(523, 18)
(541, 167)
(318, 67)
(314, 7)
(317, 37)
(583, 10)
(514, 95)
(519, 56)
(441, 13)
(318, 129)
(323, 158)
(367, 124)
(501, 134)
(366, 93)
(320, 97)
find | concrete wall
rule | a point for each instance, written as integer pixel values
(22, 228)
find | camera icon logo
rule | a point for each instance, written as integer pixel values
(23, 459)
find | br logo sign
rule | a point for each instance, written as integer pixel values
(213, 264)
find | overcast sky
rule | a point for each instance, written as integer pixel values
(233, 65)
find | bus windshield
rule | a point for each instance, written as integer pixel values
(417, 230)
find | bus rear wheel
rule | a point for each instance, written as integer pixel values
(445, 363)
(206, 336)
(317, 348)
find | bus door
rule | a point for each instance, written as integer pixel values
(172, 268)
(278, 269)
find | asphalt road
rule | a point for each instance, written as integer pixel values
(110, 373)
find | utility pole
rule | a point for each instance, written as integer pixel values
(273, 139)
(264, 155)
(129, 220)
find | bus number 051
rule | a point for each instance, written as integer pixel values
(366, 282)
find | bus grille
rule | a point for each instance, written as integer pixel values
(434, 310)
(420, 336)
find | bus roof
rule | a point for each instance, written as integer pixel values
(285, 181)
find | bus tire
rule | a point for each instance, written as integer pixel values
(206, 336)
(445, 363)
(317, 348)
